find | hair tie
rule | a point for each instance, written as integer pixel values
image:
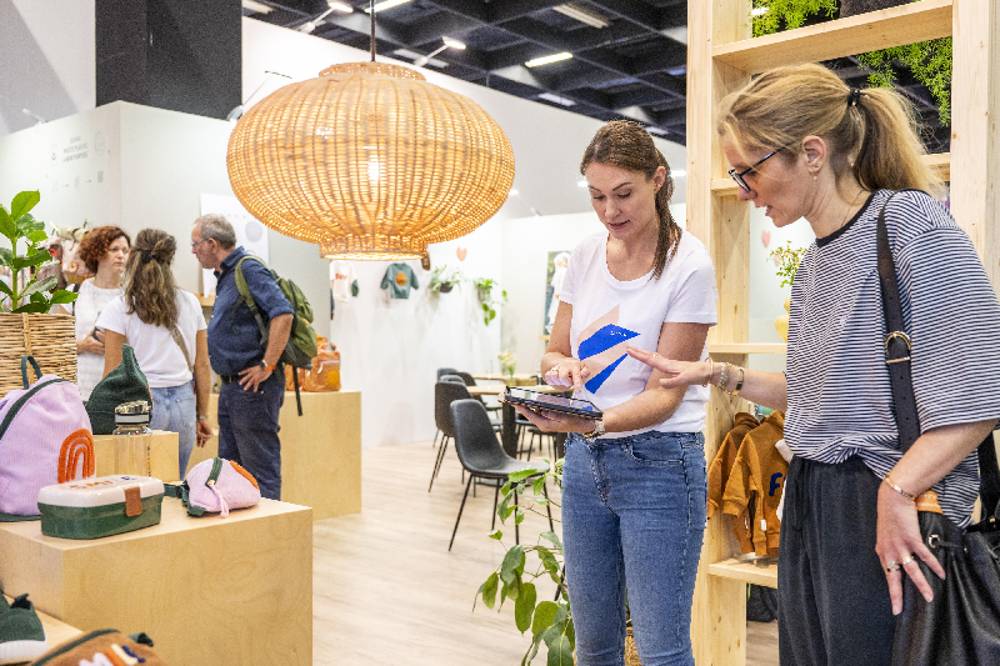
(853, 97)
(147, 256)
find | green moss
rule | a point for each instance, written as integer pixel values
(789, 14)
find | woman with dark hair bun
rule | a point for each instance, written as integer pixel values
(103, 251)
(166, 328)
(634, 493)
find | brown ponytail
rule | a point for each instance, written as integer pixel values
(150, 291)
(627, 145)
(872, 132)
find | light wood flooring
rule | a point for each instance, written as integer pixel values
(387, 591)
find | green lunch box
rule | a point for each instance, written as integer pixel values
(100, 506)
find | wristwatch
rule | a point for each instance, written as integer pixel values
(596, 432)
(266, 367)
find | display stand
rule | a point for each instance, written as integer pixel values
(721, 58)
(154, 454)
(320, 451)
(209, 590)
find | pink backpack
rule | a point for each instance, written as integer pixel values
(44, 439)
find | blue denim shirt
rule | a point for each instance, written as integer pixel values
(234, 341)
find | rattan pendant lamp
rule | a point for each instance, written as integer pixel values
(370, 161)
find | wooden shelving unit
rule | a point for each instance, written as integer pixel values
(722, 55)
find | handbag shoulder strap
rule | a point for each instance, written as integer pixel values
(175, 333)
(897, 345)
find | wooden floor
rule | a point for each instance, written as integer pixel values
(387, 591)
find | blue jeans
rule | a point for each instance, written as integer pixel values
(248, 430)
(633, 523)
(174, 409)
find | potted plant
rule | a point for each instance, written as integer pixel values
(488, 303)
(443, 280)
(549, 619)
(786, 260)
(508, 364)
(26, 297)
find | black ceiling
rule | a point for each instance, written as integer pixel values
(634, 68)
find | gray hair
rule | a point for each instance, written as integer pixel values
(216, 227)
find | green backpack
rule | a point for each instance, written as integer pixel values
(301, 348)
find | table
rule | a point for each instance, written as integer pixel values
(523, 379)
(508, 428)
(211, 590)
(320, 451)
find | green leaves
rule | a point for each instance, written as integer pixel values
(23, 203)
(488, 590)
(524, 606)
(27, 293)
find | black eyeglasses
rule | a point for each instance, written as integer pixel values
(738, 176)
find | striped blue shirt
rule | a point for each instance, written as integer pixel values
(839, 400)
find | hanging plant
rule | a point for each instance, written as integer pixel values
(443, 281)
(488, 303)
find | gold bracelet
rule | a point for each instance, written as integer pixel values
(711, 371)
(892, 484)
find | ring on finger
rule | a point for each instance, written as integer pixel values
(891, 566)
(906, 560)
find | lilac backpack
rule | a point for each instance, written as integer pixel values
(44, 439)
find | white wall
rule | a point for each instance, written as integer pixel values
(47, 60)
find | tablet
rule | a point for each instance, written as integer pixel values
(553, 403)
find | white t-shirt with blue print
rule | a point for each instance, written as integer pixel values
(610, 315)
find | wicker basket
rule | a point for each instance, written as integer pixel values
(50, 338)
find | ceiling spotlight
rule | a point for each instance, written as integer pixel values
(258, 7)
(453, 43)
(656, 130)
(309, 26)
(549, 59)
(758, 11)
(591, 18)
(342, 7)
(387, 4)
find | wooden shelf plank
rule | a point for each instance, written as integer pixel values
(765, 575)
(904, 24)
(939, 162)
(746, 348)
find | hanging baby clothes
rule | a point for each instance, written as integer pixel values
(718, 475)
(758, 476)
(399, 278)
(341, 277)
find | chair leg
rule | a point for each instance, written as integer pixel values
(548, 506)
(461, 507)
(517, 528)
(437, 433)
(496, 499)
(531, 443)
(437, 461)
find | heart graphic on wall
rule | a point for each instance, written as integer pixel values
(765, 238)
(461, 252)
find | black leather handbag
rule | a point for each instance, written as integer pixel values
(962, 624)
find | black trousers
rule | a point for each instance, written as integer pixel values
(834, 603)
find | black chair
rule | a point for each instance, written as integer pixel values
(446, 371)
(445, 392)
(455, 379)
(483, 457)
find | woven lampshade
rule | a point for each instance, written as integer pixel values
(370, 161)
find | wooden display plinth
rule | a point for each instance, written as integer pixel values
(153, 455)
(210, 590)
(320, 451)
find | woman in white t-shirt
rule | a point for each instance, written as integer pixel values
(167, 330)
(634, 488)
(103, 251)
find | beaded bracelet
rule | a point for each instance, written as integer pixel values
(724, 377)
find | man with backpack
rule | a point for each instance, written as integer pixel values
(246, 348)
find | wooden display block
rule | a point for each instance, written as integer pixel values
(153, 455)
(210, 590)
(320, 451)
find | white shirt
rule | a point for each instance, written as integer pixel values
(610, 315)
(90, 302)
(159, 357)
